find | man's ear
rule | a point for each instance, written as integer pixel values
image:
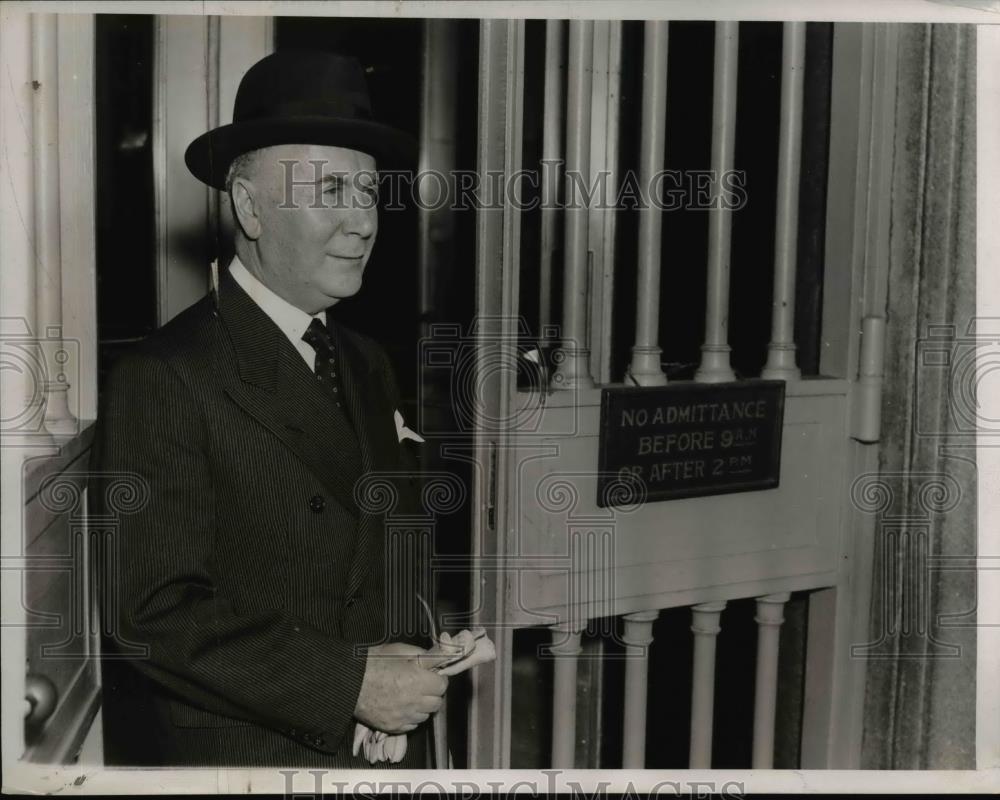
(246, 207)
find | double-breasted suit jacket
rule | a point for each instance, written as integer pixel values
(244, 588)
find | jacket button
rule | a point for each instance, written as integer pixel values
(317, 503)
(351, 601)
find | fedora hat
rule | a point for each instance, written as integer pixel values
(299, 97)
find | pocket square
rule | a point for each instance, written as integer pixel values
(402, 431)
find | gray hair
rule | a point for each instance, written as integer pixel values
(241, 167)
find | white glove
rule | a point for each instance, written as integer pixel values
(378, 746)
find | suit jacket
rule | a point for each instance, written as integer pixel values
(246, 581)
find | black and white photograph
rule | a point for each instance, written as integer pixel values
(490, 397)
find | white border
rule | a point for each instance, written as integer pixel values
(972, 11)
(95, 780)
(84, 780)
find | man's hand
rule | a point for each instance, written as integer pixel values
(398, 691)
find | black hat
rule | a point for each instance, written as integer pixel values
(299, 97)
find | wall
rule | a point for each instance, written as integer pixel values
(920, 710)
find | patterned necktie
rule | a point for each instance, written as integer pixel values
(318, 337)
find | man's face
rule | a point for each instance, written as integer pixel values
(318, 221)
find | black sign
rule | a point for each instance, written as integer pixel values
(689, 439)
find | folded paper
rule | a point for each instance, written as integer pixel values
(462, 651)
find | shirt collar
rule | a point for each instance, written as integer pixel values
(292, 321)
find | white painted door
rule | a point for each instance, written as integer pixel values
(537, 456)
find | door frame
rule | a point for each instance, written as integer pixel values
(498, 241)
(199, 62)
(862, 130)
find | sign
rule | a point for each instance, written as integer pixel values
(689, 440)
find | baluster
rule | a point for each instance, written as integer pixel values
(48, 234)
(705, 626)
(781, 350)
(770, 615)
(440, 729)
(565, 650)
(574, 367)
(638, 636)
(715, 365)
(645, 367)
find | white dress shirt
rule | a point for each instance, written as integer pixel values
(292, 321)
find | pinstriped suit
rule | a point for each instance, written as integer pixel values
(252, 575)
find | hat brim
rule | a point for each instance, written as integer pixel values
(209, 156)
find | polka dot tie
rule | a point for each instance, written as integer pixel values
(318, 338)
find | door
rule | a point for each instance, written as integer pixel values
(546, 555)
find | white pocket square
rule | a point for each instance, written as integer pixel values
(402, 431)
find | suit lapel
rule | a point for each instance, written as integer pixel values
(277, 389)
(365, 409)
(303, 425)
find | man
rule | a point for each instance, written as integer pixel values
(249, 600)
